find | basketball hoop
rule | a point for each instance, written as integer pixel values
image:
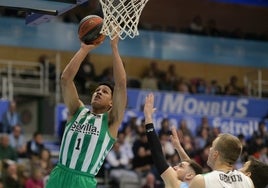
(121, 17)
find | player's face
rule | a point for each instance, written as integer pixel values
(212, 154)
(102, 97)
(182, 169)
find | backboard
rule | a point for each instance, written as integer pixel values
(40, 11)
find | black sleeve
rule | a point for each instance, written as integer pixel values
(156, 149)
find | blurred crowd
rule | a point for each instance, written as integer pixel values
(156, 79)
(201, 27)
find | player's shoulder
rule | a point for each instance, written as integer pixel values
(199, 177)
(245, 179)
(198, 181)
(170, 178)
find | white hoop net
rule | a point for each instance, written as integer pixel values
(121, 17)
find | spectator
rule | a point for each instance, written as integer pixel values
(6, 151)
(149, 81)
(188, 145)
(204, 124)
(171, 71)
(165, 83)
(214, 88)
(164, 129)
(182, 87)
(214, 132)
(196, 26)
(201, 86)
(35, 145)
(141, 127)
(130, 133)
(17, 141)
(118, 162)
(263, 154)
(174, 159)
(35, 180)
(261, 132)
(201, 158)
(183, 128)
(167, 147)
(255, 145)
(126, 146)
(202, 139)
(154, 69)
(10, 175)
(232, 87)
(142, 161)
(11, 118)
(43, 161)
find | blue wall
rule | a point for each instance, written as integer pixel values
(166, 46)
(235, 115)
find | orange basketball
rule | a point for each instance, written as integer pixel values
(89, 30)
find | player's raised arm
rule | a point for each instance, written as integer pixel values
(120, 89)
(177, 145)
(69, 91)
(167, 173)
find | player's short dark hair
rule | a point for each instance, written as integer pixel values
(195, 166)
(259, 175)
(229, 147)
(108, 84)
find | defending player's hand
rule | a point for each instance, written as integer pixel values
(149, 108)
(174, 138)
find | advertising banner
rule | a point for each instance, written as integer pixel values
(232, 125)
(202, 105)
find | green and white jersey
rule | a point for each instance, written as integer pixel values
(86, 142)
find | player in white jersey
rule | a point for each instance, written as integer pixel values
(89, 134)
(223, 154)
(231, 179)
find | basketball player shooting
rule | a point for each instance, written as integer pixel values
(89, 133)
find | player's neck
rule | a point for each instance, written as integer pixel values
(223, 167)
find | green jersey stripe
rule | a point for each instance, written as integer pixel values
(76, 151)
(71, 145)
(99, 143)
(91, 148)
(67, 137)
(101, 155)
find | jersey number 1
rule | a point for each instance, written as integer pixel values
(78, 144)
